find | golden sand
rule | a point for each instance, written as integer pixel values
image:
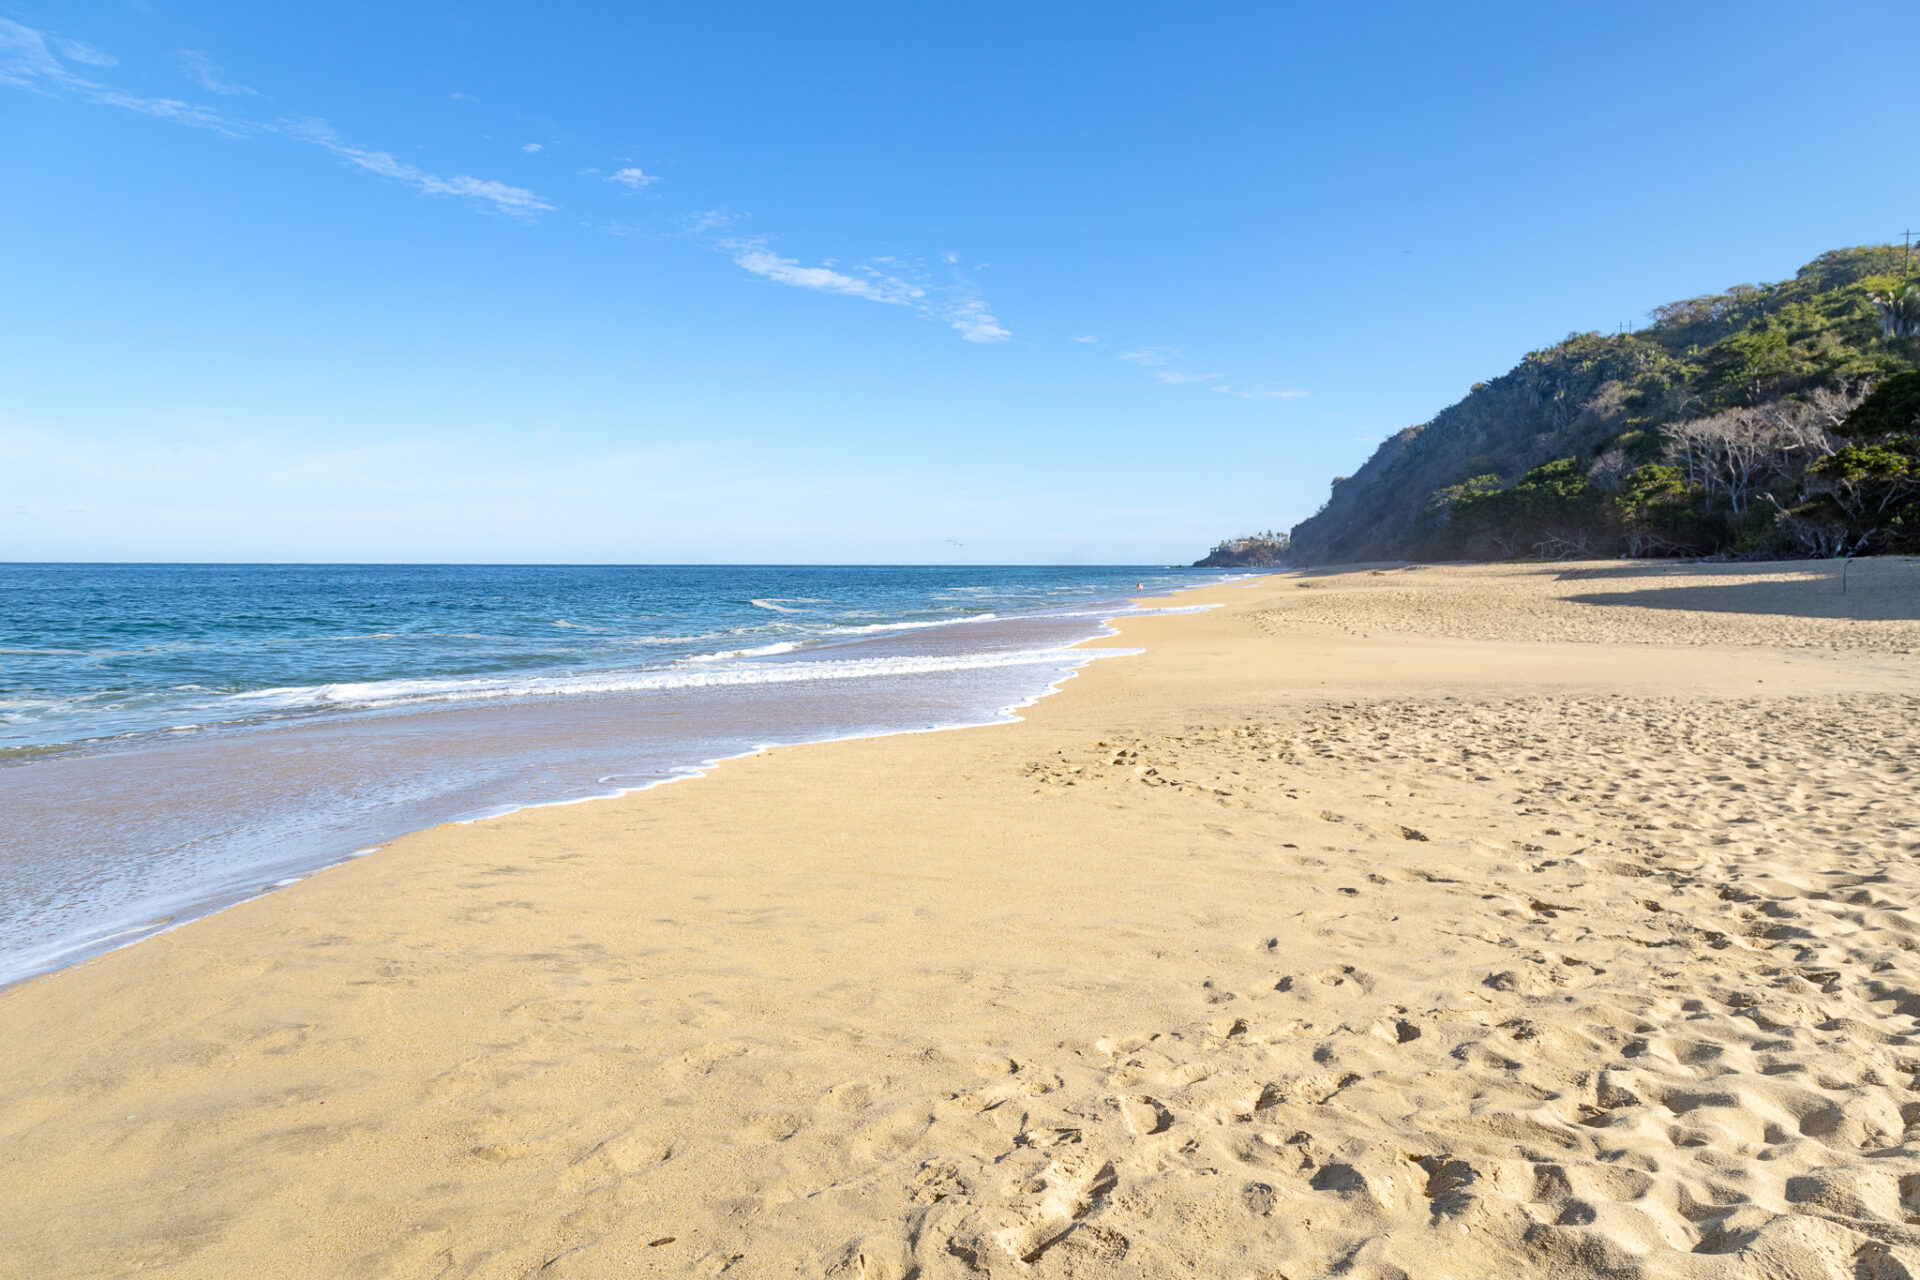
(1437, 922)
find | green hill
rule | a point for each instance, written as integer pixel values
(1779, 419)
(1256, 551)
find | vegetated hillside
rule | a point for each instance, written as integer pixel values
(1256, 551)
(1779, 419)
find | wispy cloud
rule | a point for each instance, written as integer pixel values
(895, 281)
(704, 220)
(201, 70)
(938, 289)
(171, 109)
(873, 285)
(506, 199)
(1161, 362)
(1261, 393)
(960, 304)
(1084, 337)
(973, 321)
(33, 60)
(86, 54)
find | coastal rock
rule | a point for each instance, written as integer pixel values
(1261, 551)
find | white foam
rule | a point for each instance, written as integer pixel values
(378, 694)
(871, 627)
(991, 699)
(765, 650)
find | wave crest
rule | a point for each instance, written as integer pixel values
(383, 694)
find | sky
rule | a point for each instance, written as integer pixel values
(851, 283)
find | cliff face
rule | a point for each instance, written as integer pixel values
(1607, 415)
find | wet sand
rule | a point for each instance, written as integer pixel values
(1550, 920)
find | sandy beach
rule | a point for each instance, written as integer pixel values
(1395, 922)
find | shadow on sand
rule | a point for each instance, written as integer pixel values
(1870, 591)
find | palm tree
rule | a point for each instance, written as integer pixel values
(1899, 310)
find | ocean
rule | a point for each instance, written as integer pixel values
(178, 738)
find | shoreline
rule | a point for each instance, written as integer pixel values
(223, 887)
(1062, 996)
(687, 773)
(684, 773)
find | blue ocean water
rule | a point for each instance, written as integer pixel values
(90, 651)
(175, 738)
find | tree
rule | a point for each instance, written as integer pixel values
(1876, 490)
(1891, 409)
(1738, 454)
(1552, 509)
(1899, 308)
(1657, 511)
(1871, 486)
(1756, 360)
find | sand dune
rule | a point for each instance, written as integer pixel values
(1453, 923)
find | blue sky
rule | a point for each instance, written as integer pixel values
(861, 282)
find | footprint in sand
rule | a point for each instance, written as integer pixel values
(1144, 1115)
(1066, 1191)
